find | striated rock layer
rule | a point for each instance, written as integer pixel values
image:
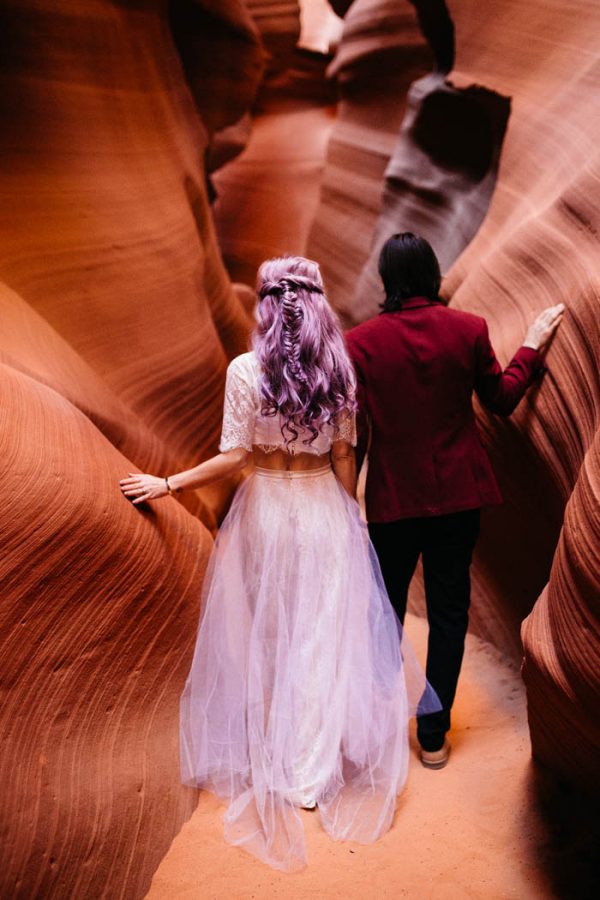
(440, 188)
(381, 53)
(532, 219)
(99, 609)
(538, 246)
(561, 637)
(223, 59)
(118, 320)
(278, 22)
(268, 196)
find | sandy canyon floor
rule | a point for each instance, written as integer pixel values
(470, 830)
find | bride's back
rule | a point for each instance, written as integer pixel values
(303, 378)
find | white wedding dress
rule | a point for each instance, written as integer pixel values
(302, 682)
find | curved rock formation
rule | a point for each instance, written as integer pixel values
(536, 244)
(561, 637)
(223, 60)
(222, 57)
(99, 610)
(267, 198)
(320, 27)
(381, 53)
(438, 186)
(278, 22)
(118, 320)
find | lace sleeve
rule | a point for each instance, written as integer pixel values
(238, 412)
(345, 429)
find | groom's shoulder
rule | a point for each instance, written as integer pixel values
(462, 319)
(360, 333)
(374, 332)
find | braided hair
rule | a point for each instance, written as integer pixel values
(307, 376)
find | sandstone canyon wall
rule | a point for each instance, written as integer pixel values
(512, 176)
(278, 22)
(118, 320)
(381, 53)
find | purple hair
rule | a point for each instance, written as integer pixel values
(307, 376)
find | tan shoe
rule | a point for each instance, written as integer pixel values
(436, 759)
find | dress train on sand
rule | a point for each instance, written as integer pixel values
(302, 682)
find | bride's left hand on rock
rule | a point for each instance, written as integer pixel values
(139, 487)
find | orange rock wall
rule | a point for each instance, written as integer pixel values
(381, 53)
(538, 246)
(223, 59)
(535, 243)
(278, 22)
(118, 320)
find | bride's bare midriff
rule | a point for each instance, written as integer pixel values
(280, 460)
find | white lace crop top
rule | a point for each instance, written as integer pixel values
(245, 426)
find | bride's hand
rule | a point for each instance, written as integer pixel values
(143, 487)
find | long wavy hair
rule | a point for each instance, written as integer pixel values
(307, 376)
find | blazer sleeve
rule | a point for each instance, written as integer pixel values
(362, 412)
(500, 391)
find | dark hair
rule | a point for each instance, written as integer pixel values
(408, 268)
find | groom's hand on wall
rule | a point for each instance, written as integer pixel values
(541, 329)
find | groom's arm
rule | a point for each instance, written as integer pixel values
(362, 413)
(362, 427)
(500, 391)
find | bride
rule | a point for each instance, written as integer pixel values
(302, 682)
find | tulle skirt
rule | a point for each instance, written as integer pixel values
(302, 682)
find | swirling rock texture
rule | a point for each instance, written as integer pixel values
(267, 198)
(278, 22)
(381, 53)
(118, 320)
(220, 49)
(520, 186)
(438, 188)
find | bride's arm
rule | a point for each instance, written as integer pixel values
(235, 444)
(213, 469)
(343, 462)
(141, 487)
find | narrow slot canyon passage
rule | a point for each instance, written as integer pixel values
(471, 830)
(267, 198)
(153, 154)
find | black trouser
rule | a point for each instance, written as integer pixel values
(446, 543)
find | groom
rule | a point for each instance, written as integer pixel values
(417, 364)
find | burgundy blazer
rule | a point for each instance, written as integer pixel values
(417, 369)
